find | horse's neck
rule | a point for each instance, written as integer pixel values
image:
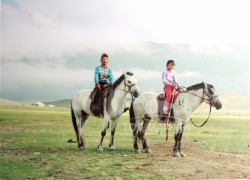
(119, 96)
(194, 99)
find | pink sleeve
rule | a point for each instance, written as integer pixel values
(164, 77)
(175, 80)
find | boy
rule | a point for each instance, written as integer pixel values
(103, 76)
(170, 83)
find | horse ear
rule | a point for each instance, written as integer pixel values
(205, 85)
(129, 73)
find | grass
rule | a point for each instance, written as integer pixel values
(33, 145)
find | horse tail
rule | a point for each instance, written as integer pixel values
(132, 115)
(74, 121)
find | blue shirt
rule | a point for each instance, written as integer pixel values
(103, 74)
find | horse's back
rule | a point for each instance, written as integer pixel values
(80, 99)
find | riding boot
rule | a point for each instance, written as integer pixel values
(164, 114)
(96, 101)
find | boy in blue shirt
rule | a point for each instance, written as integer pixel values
(103, 76)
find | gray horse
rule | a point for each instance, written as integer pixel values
(113, 108)
(145, 108)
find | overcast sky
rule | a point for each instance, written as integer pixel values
(49, 48)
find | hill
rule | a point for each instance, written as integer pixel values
(232, 104)
(7, 102)
(60, 103)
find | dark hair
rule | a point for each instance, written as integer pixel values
(171, 61)
(104, 55)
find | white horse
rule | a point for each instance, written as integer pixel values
(146, 108)
(113, 108)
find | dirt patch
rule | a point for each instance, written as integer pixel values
(198, 164)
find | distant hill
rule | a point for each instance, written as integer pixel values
(7, 102)
(61, 103)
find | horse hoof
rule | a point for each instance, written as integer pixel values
(176, 154)
(100, 148)
(147, 151)
(112, 148)
(81, 148)
(137, 151)
(183, 154)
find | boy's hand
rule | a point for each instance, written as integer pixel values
(176, 86)
(98, 86)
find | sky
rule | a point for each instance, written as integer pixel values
(50, 48)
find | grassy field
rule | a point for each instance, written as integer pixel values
(33, 145)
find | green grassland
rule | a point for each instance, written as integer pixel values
(33, 144)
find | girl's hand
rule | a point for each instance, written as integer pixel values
(176, 86)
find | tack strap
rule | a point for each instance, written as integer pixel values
(204, 121)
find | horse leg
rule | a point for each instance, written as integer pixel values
(135, 137)
(111, 143)
(79, 118)
(177, 147)
(146, 121)
(84, 118)
(103, 133)
(179, 144)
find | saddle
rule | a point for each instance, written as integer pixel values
(161, 100)
(98, 108)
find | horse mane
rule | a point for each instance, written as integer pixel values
(118, 81)
(199, 86)
(195, 87)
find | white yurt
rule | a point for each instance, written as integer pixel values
(40, 104)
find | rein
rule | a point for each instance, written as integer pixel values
(203, 98)
(204, 121)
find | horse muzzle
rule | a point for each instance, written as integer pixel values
(136, 94)
(135, 91)
(218, 105)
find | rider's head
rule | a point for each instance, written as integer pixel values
(104, 59)
(170, 64)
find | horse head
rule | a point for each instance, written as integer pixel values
(131, 83)
(211, 96)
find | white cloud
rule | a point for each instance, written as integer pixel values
(52, 28)
(189, 75)
(38, 35)
(16, 75)
(45, 30)
(145, 74)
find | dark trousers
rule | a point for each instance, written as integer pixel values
(98, 92)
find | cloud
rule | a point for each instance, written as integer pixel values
(58, 43)
(145, 74)
(149, 75)
(16, 75)
(37, 29)
(189, 74)
(35, 34)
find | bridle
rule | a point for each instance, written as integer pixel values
(203, 97)
(129, 88)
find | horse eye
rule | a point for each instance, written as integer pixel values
(129, 82)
